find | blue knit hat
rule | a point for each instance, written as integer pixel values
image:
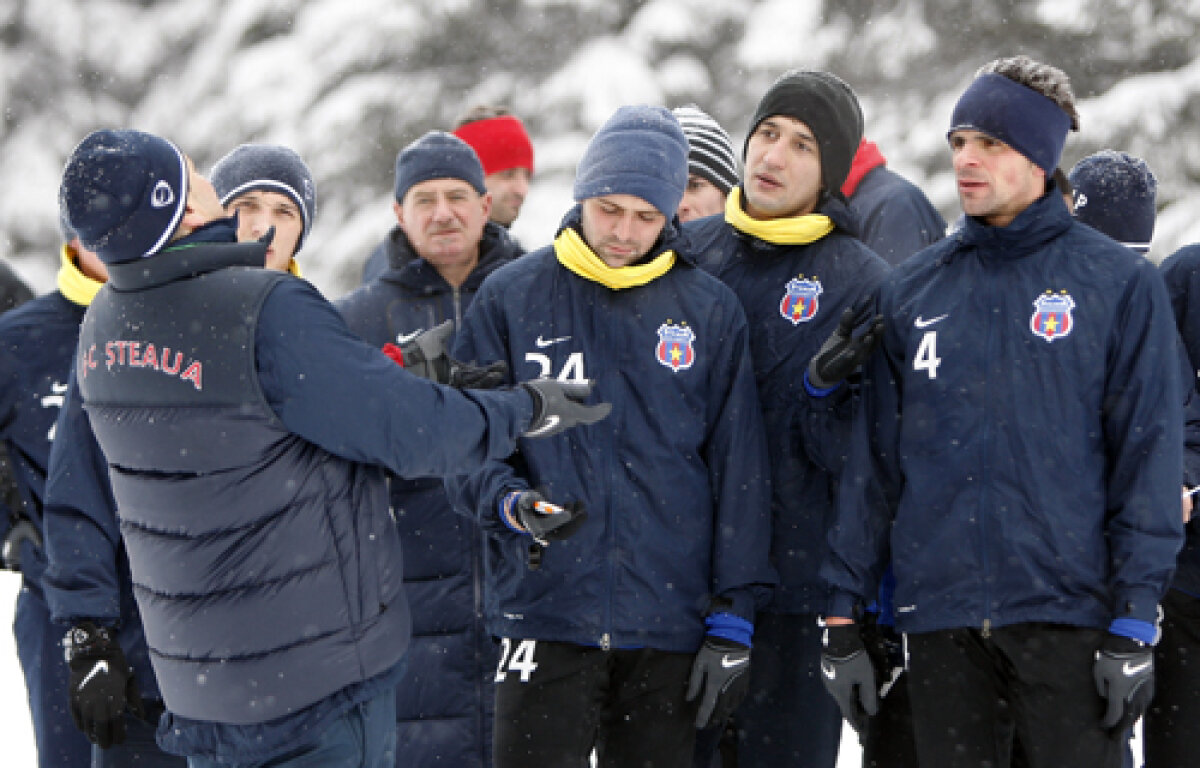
(270, 167)
(124, 192)
(639, 151)
(1115, 193)
(437, 155)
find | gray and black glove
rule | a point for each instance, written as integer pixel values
(848, 674)
(102, 684)
(558, 405)
(425, 355)
(1124, 673)
(721, 671)
(544, 521)
(22, 530)
(843, 352)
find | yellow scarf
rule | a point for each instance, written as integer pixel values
(796, 230)
(72, 283)
(575, 255)
(294, 267)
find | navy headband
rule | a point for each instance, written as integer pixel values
(1019, 116)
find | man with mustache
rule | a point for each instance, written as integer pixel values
(442, 249)
(788, 246)
(622, 628)
(1017, 459)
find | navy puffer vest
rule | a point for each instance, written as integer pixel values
(267, 570)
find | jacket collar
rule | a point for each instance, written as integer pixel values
(1045, 219)
(405, 267)
(207, 249)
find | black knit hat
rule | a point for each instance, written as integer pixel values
(828, 106)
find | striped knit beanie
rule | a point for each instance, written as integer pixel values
(710, 150)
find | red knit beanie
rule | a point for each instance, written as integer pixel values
(501, 143)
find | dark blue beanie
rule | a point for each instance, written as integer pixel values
(639, 151)
(270, 167)
(124, 192)
(1115, 193)
(437, 155)
(1022, 118)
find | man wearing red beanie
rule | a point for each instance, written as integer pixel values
(503, 146)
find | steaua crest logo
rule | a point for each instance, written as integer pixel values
(1052, 315)
(675, 348)
(799, 304)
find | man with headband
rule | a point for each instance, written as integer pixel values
(1017, 459)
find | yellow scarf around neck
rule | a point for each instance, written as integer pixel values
(795, 230)
(72, 283)
(575, 255)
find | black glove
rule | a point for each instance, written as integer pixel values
(471, 376)
(849, 675)
(22, 530)
(722, 671)
(102, 684)
(425, 356)
(544, 521)
(842, 353)
(558, 405)
(885, 647)
(1124, 673)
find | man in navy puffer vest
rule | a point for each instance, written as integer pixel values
(245, 431)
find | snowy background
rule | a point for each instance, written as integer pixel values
(347, 84)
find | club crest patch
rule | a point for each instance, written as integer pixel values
(675, 349)
(799, 304)
(1052, 317)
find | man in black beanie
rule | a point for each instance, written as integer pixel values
(788, 246)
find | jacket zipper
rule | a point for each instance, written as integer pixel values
(985, 475)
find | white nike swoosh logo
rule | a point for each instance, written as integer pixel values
(543, 343)
(1136, 669)
(404, 338)
(729, 663)
(101, 666)
(926, 323)
(828, 670)
(551, 423)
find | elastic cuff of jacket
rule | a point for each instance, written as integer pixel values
(730, 627)
(816, 391)
(508, 512)
(1139, 603)
(1134, 629)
